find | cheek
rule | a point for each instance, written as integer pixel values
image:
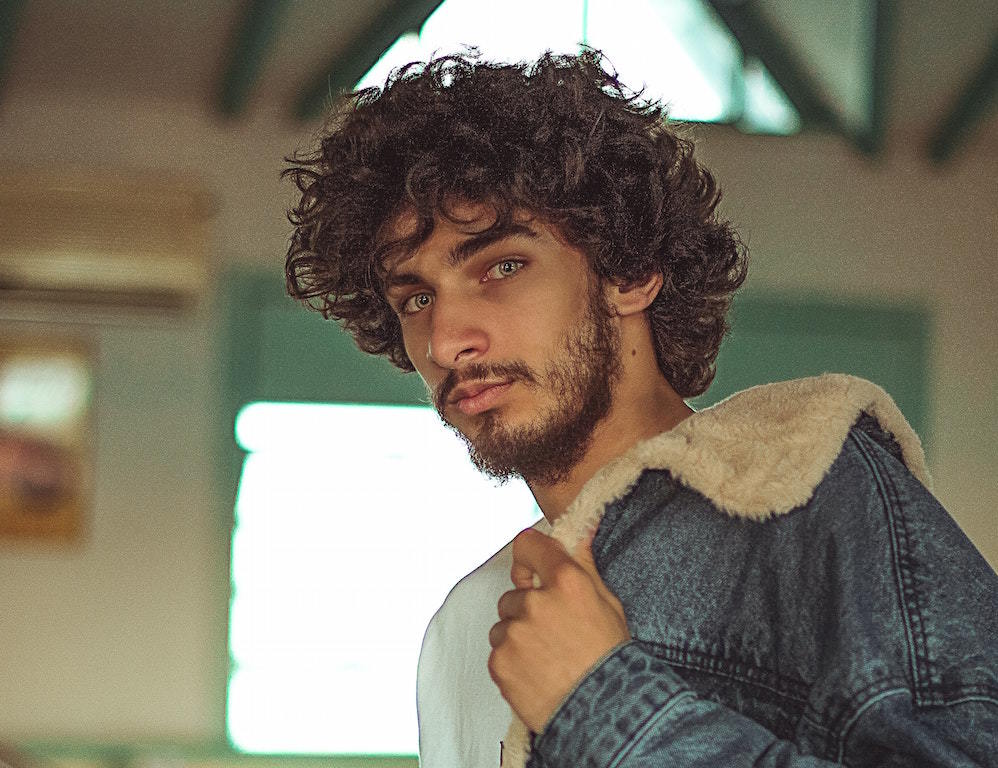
(415, 348)
(534, 338)
(543, 327)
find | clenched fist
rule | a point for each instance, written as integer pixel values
(549, 636)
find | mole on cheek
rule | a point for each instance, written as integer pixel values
(634, 352)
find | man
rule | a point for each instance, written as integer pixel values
(766, 582)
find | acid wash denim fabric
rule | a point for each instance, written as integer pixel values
(860, 629)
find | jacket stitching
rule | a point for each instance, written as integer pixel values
(855, 702)
(925, 686)
(711, 665)
(859, 712)
(636, 739)
(985, 698)
(899, 545)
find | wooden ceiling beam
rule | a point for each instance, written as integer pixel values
(346, 68)
(253, 40)
(978, 98)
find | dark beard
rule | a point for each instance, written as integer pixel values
(545, 451)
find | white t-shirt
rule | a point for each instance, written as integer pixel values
(462, 716)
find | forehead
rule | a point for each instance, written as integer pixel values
(469, 218)
(404, 239)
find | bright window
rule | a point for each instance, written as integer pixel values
(349, 534)
(678, 50)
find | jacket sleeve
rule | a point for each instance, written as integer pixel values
(634, 710)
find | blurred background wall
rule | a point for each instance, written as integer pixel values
(120, 636)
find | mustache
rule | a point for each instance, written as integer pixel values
(516, 370)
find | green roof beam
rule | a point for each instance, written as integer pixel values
(347, 68)
(253, 40)
(10, 18)
(977, 99)
(757, 39)
(871, 142)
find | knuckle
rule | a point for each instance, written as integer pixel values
(497, 667)
(520, 540)
(511, 604)
(499, 633)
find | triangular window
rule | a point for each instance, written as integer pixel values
(679, 51)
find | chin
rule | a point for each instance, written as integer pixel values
(471, 427)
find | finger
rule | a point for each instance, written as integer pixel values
(538, 554)
(498, 633)
(511, 604)
(522, 577)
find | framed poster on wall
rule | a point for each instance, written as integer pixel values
(46, 449)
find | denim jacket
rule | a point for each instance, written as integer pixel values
(795, 594)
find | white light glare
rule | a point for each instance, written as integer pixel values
(353, 522)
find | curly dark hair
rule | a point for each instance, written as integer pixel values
(561, 139)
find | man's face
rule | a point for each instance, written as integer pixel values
(516, 347)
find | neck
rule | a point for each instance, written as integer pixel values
(639, 413)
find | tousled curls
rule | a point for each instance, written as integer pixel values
(561, 139)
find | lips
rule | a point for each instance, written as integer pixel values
(473, 389)
(479, 396)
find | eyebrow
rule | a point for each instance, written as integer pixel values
(464, 251)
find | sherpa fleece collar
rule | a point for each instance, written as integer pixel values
(757, 454)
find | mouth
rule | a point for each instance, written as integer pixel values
(471, 399)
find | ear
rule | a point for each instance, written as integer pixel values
(633, 298)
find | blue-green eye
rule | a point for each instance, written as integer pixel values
(415, 303)
(504, 269)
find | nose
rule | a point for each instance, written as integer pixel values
(457, 333)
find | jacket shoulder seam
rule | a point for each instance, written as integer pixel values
(920, 666)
